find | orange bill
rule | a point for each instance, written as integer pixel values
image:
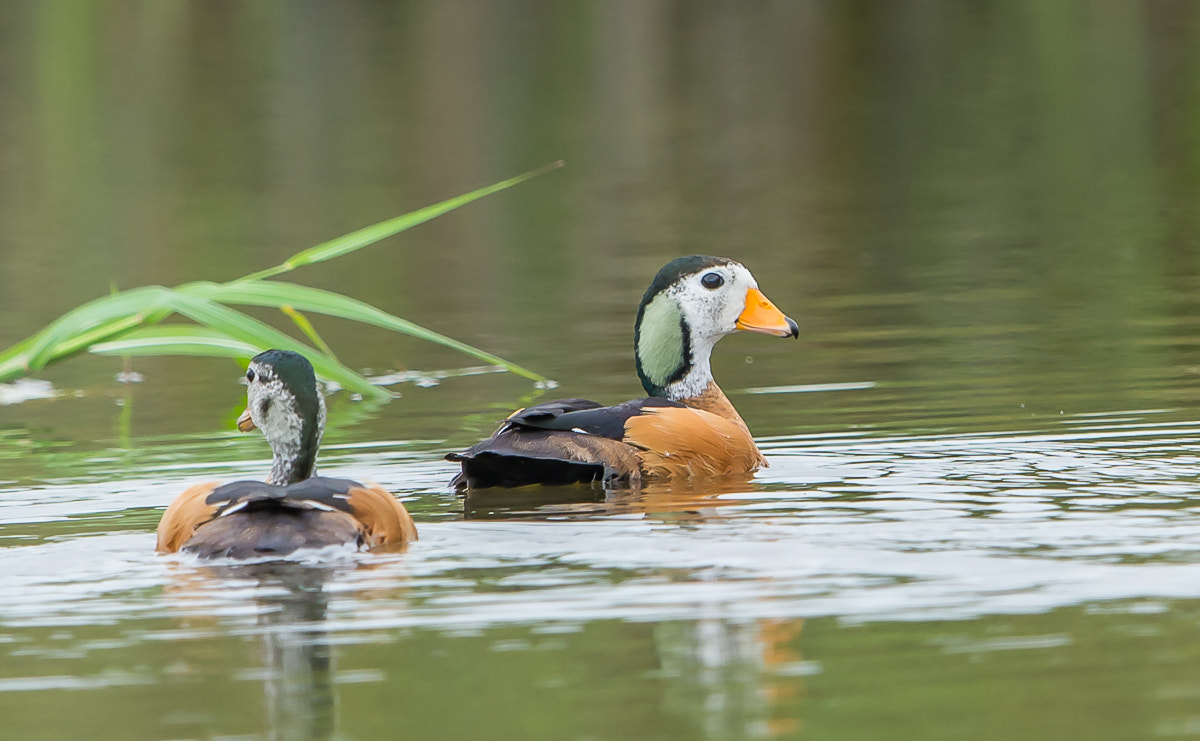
(245, 423)
(760, 315)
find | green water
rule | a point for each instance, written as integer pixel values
(981, 517)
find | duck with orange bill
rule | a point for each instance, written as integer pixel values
(685, 427)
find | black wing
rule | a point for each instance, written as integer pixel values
(317, 492)
(559, 442)
(584, 417)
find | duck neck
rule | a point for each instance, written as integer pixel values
(713, 399)
(295, 457)
(693, 379)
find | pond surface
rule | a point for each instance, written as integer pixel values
(982, 514)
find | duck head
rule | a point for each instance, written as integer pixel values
(691, 303)
(283, 402)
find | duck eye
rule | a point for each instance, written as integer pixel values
(712, 281)
(250, 376)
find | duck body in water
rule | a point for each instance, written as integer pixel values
(685, 427)
(293, 509)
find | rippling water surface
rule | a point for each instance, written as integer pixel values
(915, 569)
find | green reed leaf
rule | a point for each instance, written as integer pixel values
(369, 235)
(251, 331)
(177, 339)
(121, 323)
(279, 294)
(91, 322)
(308, 329)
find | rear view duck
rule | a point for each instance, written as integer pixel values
(293, 509)
(685, 428)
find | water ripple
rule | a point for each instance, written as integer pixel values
(856, 526)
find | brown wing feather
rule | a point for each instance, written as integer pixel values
(384, 519)
(619, 459)
(516, 456)
(681, 441)
(615, 455)
(188, 512)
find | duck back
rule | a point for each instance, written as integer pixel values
(273, 528)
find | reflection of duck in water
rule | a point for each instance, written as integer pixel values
(685, 428)
(299, 687)
(295, 661)
(674, 500)
(745, 678)
(293, 509)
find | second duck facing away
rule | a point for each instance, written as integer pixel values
(294, 509)
(687, 427)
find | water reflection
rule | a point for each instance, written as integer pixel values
(707, 677)
(741, 679)
(297, 668)
(688, 498)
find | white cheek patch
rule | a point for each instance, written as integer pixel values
(735, 301)
(713, 313)
(280, 423)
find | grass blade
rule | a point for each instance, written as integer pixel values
(120, 323)
(135, 305)
(308, 329)
(253, 332)
(177, 339)
(94, 321)
(369, 235)
(278, 293)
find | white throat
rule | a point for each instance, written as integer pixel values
(698, 377)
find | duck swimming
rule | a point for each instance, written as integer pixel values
(686, 427)
(293, 509)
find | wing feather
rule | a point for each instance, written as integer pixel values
(189, 511)
(384, 519)
(369, 510)
(576, 440)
